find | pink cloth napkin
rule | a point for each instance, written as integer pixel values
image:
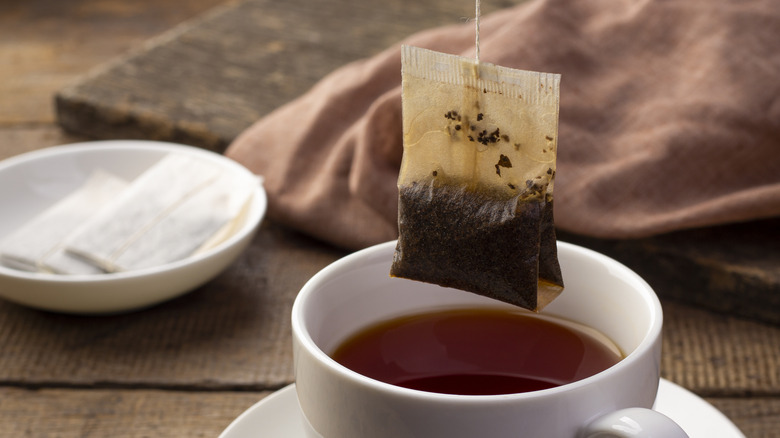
(669, 119)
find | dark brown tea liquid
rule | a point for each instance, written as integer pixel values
(477, 352)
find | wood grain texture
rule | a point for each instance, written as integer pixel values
(232, 333)
(732, 269)
(47, 44)
(62, 413)
(18, 139)
(41, 51)
(756, 418)
(206, 81)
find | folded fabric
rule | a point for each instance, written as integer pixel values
(669, 119)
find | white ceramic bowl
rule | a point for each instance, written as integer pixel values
(31, 182)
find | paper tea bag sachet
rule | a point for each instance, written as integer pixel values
(168, 213)
(38, 246)
(476, 179)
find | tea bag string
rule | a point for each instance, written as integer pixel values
(476, 21)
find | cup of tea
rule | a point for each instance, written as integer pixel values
(384, 357)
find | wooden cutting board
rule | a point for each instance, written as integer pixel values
(204, 82)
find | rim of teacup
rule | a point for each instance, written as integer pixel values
(370, 255)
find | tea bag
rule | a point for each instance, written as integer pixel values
(38, 246)
(168, 213)
(476, 179)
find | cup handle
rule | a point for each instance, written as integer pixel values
(633, 423)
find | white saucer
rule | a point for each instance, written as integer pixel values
(278, 415)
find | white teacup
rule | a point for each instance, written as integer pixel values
(357, 291)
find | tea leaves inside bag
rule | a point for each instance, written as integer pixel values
(476, 180)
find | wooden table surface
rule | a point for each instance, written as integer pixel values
(190, 366)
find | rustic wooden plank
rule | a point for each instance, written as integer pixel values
(47, 44)
(232, 333)
(41, 52)
(757, 417)
(68, 413)
(732, 269)
(206, 81)
(118, 413)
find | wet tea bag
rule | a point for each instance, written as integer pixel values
(476, 180)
